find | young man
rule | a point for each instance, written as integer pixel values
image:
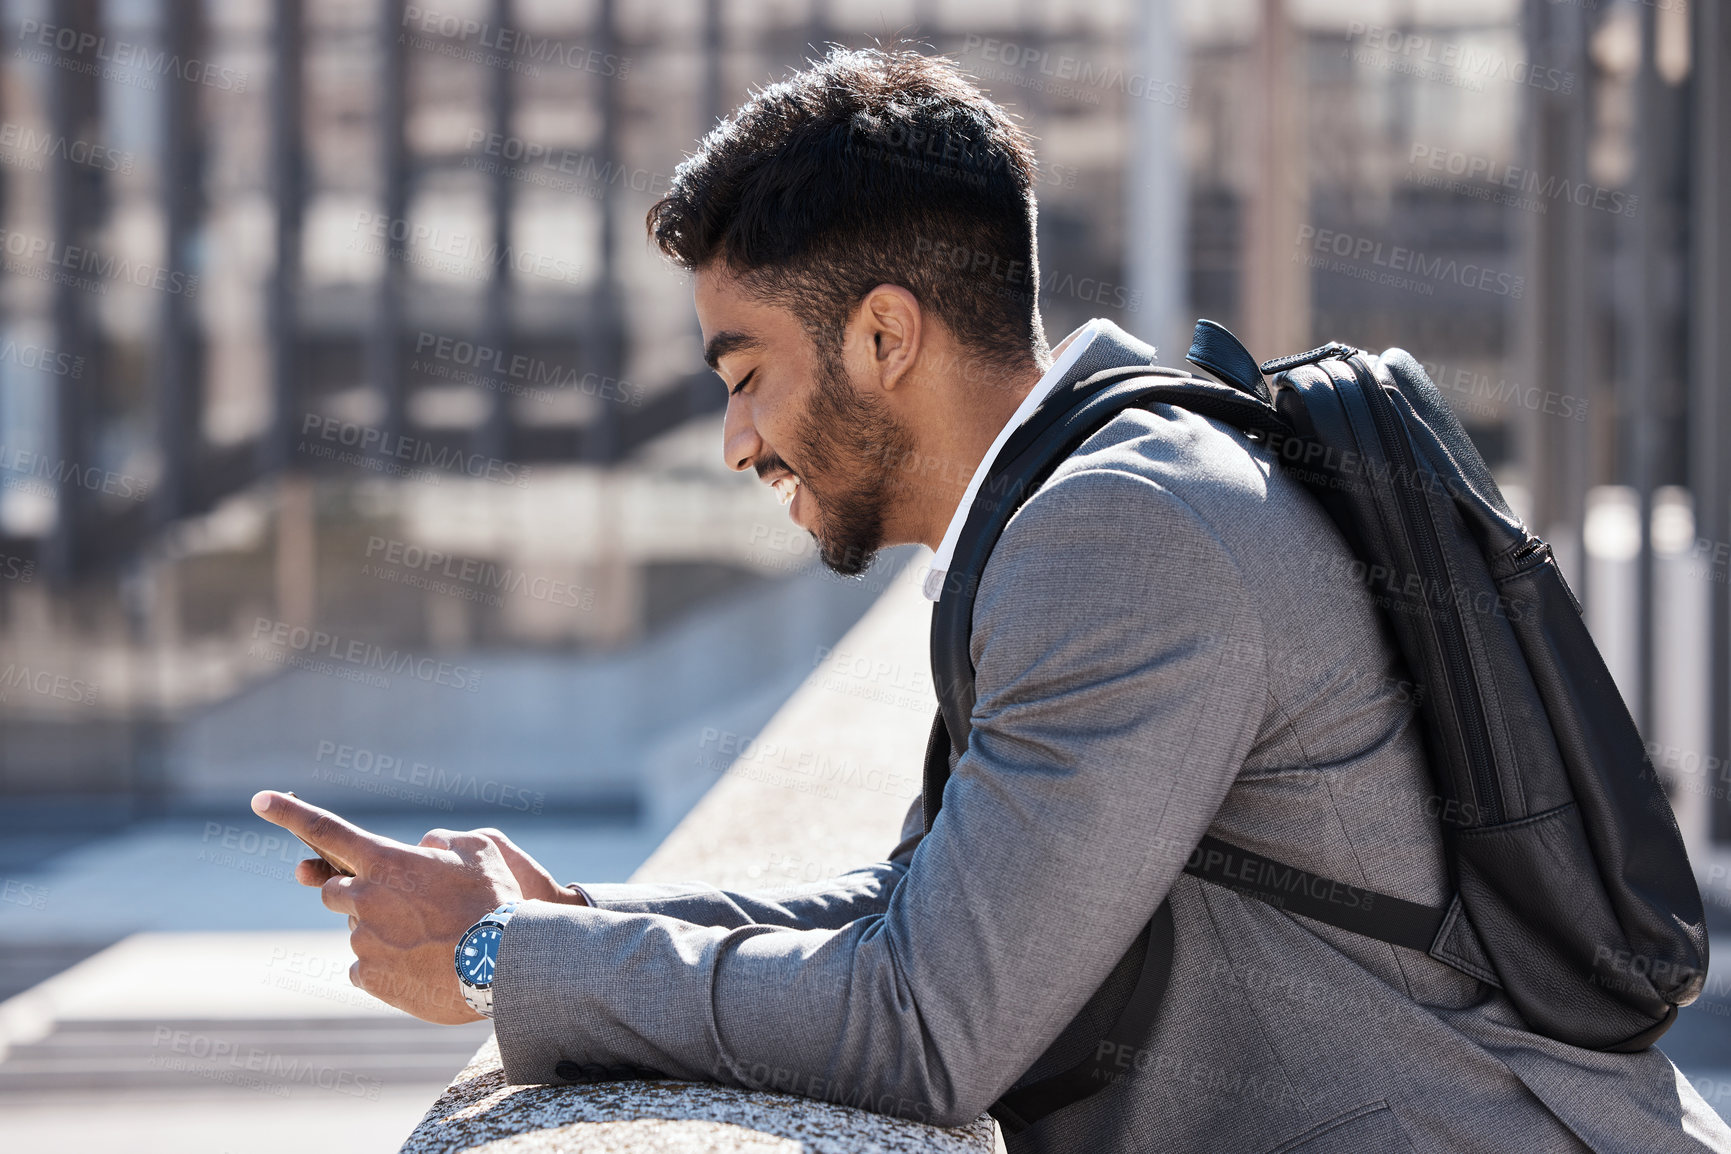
(1167, 642)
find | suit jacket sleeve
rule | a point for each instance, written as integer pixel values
(827, 904)
(1120, 683)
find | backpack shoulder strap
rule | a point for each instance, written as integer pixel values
(1361, 911)
(1056, 430)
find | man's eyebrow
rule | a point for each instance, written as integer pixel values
(727, 341)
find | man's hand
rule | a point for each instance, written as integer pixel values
(409, 905)
(532, 877)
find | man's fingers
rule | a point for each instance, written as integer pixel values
(454, 839)
(314, 872)
(514, 855)
(503, 842)
(345, 845)
(533, 878)
(338, 894)
(460, 841)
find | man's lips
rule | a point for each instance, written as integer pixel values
(773, 471)
(789, 488)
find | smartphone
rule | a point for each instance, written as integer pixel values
(342, 869)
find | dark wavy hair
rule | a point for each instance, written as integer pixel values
(868, 167)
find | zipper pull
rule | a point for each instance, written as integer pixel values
(1320, 353)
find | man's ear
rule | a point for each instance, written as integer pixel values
(883, 338)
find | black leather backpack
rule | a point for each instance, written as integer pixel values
(1573, 892)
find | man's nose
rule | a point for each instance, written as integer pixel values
(740, 445)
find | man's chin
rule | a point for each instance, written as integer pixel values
(850, 562)
(845, 558)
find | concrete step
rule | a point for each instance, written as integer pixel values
(361, 1054)
(94, 1040)
(267, 1013)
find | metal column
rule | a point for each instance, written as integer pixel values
(73, 110)
(384, 346)
(288, 186)
(606, 327)
(1558, 257)
(1709, 358)
(177, 393)
(493, 438)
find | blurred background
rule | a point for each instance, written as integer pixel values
(353, 440)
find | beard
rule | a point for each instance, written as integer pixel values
(852, 449)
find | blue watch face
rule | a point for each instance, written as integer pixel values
(479, 954)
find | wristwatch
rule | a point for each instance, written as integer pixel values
(478, 958)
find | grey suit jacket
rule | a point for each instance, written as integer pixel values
(1169, 640)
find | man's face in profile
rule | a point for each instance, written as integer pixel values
(798, 418)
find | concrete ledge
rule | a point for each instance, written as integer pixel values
(823, 788)
(480, 1111)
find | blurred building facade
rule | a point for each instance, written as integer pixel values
(298, 295)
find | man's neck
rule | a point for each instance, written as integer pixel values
(958, 421)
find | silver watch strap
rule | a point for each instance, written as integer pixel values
(480, 998)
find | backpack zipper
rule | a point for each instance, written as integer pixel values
(1435, 575)
(1320, 353)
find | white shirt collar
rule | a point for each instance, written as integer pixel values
(1069, 351)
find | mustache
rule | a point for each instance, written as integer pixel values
(771, 464)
